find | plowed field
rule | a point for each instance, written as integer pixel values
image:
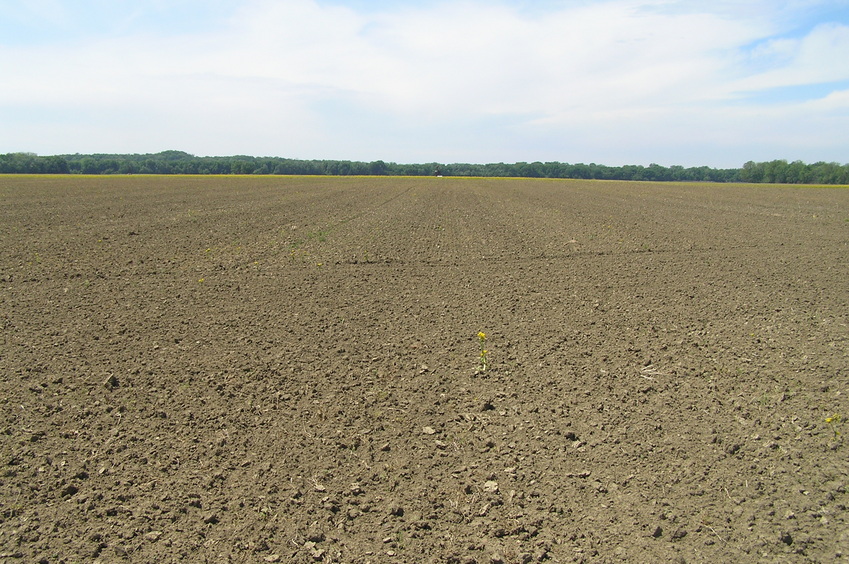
(271, 369)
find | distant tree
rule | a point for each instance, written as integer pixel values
(658, 173)
(179, 162)
(241, 166)
(55, 165)
(89, 166)
(173, 156)
(377, 168)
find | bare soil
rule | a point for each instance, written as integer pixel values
(239, 369)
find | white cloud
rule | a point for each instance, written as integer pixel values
(821, 56)
(308, 79)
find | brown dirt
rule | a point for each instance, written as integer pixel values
(285, 370)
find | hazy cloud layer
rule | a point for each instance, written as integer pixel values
(614, 82)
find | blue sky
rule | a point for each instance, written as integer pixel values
(615, 82)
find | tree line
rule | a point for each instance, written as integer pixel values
(179, 162)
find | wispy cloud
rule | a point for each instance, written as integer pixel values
(821, 56)
(609, 81)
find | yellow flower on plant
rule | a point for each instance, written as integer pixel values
(834, 421)
(482, 360)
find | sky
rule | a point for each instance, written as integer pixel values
(673, 82)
